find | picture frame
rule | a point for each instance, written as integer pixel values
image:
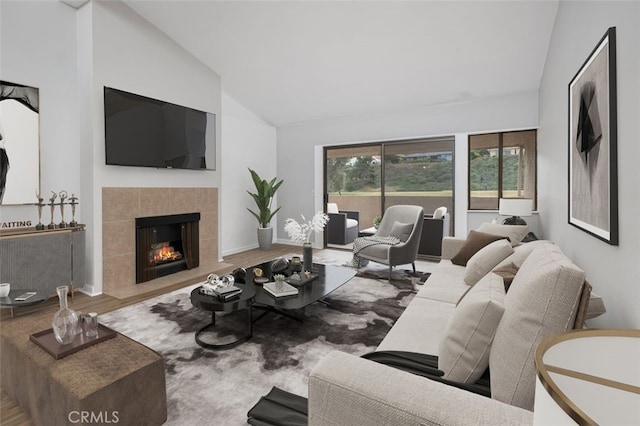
(593, 167)
(19, 143)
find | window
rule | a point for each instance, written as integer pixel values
(371, 177)
(501, 165)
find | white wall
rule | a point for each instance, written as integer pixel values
(70, 55)
(248, 142)
(130, 54)
(38, 48)
(298, 160)
(613, 271)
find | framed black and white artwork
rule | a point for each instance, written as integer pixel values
(593, 171)
(19, 143)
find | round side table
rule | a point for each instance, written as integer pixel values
(11, 302)
(588, 377)
(213, 304)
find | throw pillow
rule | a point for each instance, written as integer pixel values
(486, 259)
(475, 241)
(464, 351)
(332, 208)
(401, 230)
(508, 273)
(439, 213)
(515, 233)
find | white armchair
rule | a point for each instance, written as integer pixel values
(396, 218)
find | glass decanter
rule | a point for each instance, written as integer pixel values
(65, 321)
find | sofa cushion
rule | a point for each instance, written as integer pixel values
(401, 230)
(486, 259)
(420, 327)
(515, 233)
(351, 223)
(446, 284)
(521, 252)
(542, 300)
(508, 273)
(475, 241)
(464, 350)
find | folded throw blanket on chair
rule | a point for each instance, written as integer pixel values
(362, 242)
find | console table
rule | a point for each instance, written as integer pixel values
(43, 260)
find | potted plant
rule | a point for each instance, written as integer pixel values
(278, 279)
(376, 221)
(263, 198)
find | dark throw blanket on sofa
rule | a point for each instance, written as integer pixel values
(426, 366)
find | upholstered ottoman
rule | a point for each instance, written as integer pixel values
(117, 381)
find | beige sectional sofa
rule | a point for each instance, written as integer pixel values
(469, 327)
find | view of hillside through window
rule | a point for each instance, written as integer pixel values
(501, 165)
(373, 177)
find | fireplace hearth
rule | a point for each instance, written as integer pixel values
(166, 245)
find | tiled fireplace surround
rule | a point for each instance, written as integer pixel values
(121, 206)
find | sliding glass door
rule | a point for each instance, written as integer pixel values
(353, 180)
(369, 178)
(419, 173)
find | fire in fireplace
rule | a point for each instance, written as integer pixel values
(163, 253)
(166, 245)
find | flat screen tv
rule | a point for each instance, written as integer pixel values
(146, 132)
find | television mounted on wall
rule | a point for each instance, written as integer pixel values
(146, 132)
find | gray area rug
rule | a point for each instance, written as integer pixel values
(219, 387)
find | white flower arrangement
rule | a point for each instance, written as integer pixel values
(301, 232)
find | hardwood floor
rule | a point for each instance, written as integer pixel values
(11, 414)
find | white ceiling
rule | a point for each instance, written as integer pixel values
(300, 61)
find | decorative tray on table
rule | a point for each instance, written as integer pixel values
(303, 279)
(47, 341)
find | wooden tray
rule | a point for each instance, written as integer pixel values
(303, 281)
(47, 341)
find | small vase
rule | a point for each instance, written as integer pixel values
(296, 264)
(307, 257)
(65, 321)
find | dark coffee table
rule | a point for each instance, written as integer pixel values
(213, 304)
(253, 296)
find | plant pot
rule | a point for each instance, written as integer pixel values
(265, 238)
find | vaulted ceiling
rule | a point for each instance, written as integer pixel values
(298, 61)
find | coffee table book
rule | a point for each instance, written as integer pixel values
(285, 290)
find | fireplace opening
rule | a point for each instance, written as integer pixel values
(166, 245)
